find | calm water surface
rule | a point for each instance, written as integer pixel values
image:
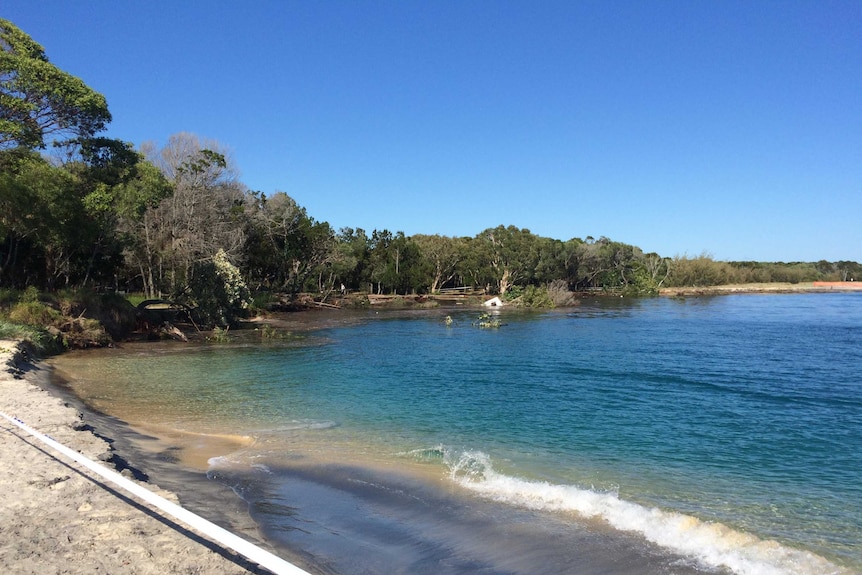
(725, 432)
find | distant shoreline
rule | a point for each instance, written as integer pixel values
(473, 299)
(775, 287)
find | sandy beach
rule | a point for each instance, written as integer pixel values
(59, 517)
(762, 288)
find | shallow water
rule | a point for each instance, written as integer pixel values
(707, 434)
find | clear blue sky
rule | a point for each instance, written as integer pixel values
(681, 127)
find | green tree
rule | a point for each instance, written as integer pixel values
(409, 266)
(136, 200)
(383, 260)
(551, 260)
(57, 228)
(103, 167)
(395, 263)
(66, 215)
(203, 214)
(474, 267)
(38, 219)
(512, 255)
(286, 247)
(313, 269)
(849, 271)
(571, 262)
(38, 100)
(355, 250)
(596, 262)
(657, 269)
(442, 254)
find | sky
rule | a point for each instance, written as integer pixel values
(726, 128)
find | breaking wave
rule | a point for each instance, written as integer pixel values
(712, 544)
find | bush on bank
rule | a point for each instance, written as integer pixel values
(54, 322)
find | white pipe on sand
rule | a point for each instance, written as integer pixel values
(249, 550)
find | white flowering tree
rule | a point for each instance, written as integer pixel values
(218, 294)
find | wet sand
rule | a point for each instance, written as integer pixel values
(361, 519)
(59, 517)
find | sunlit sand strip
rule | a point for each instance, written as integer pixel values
(191, 448)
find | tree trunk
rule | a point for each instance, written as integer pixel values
(504, 281)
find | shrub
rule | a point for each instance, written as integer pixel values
(29, 295)
(269, 332)
(219, 335)
(261, 301)
(558, 291)
(9, 330)
(39, 340)
(513, 293)
(537, 297)
(68, 319)
(699, 271)
(114, 312)
(84, 332)
(530, 296)
(35, 313)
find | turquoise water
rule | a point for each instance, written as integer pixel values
(724, 430)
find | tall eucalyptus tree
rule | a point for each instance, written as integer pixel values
(38, 100)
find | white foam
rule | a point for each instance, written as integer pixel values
(262, 468)
(217, 461)
(712, 544)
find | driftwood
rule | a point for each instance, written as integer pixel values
(164, 330)
(171, 331)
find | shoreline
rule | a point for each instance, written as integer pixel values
(148, 442)
(173, 460)
(323, 490)
(59, 517)
(762, 288)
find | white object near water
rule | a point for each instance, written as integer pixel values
(218, 534)
(494, 302)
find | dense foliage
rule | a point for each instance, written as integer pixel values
(37, 99)
(176, 222)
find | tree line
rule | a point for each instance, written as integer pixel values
(80, 210)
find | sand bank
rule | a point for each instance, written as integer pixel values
(772, 287)
(58, 517)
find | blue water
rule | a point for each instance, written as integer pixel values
(723, 429)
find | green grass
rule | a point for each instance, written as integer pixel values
(37, 337)
(136, 298)
(9, 330)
